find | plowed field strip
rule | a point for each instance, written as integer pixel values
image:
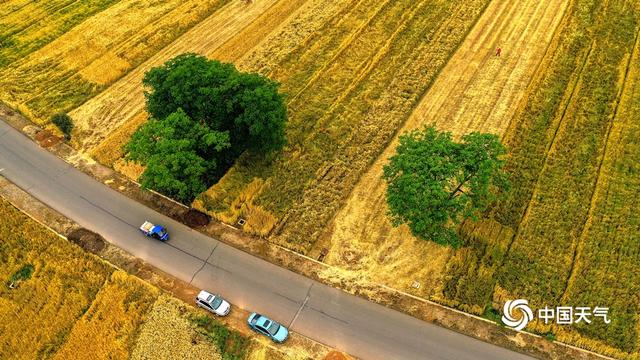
(468, 95)
(253, 34)
(344, 45)
(295, 33)
(306, 63)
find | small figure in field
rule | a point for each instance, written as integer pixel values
(247, 2)
(498, 51)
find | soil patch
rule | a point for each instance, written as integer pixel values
(335, 355)
(194, 218)
(46, 138)
(87, 240)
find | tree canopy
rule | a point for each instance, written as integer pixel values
(203, 115)
(434, 183)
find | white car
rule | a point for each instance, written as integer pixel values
(213, 303)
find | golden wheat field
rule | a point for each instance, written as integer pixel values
(73, 305)
(563, 95)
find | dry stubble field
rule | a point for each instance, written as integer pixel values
(357, 73)
(476, 91)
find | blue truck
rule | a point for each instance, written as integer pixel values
(154, 231)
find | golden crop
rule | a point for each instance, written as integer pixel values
(564, 95)
(110, 326)
(76, 306)
(36, 317)
(63, 72)
(168, 333)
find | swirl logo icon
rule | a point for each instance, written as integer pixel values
(510, 309)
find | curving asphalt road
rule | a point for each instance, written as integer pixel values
(330, 316)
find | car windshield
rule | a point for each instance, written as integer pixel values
(273, 329)
(217, 301)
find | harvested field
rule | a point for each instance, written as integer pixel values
(124, 100)
(350, 85)
(476, 91)
(98, 51)
(26, 26)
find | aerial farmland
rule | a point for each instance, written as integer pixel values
(556, 82)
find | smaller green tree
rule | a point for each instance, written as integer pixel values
(64, 123)
(434, 183)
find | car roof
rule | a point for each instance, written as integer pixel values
(203, 295)
(263, 320)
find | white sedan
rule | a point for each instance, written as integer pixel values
(213, 303)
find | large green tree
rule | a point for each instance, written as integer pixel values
(245, 104)
(203, 115)
(434, 182)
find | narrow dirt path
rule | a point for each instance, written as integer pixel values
(476, 91)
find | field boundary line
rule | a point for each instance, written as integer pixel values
(24, 211)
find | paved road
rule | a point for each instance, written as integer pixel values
(359, 327)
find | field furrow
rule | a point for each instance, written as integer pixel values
(124, 99)
(475, 91)
(302, 28)
(256, 32)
